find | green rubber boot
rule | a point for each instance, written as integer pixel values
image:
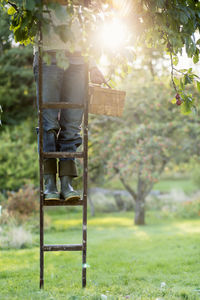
(67, 192)
(50, 188)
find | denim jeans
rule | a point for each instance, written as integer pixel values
(61, 128)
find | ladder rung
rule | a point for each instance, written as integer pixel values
(63, 105)
(74, 247)
(62, 202)
(62, 154)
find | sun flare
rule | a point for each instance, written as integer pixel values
(113, 34)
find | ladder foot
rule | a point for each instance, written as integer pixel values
(84, 283)
(41, 283)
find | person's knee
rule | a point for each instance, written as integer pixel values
(51, 125)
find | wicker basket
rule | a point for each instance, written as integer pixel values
(105, 101)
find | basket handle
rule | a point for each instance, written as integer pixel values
(106, 83)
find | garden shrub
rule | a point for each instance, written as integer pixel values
(175, 204)
(6, 219)
(15, 237)
(189, 209)
(23, 203)
(2, 198)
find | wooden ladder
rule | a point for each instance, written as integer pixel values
(42, 155)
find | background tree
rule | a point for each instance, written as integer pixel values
(152, 133)
(5, 33)
(18, 155)
(17, 88)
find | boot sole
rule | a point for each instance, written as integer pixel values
(72, 198)
(52, 199)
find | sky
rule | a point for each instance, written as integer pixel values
(185, 62)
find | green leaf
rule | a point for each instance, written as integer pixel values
(187, 79)
(186, 108)
(181, 84)
(196, 58)
(198, 86)
(176, 80)
(190, 70)
(11, 11)
(173, 101)
(183, 70)
(175, 60)
(183, 17)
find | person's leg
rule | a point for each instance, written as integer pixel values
(51, 90)
(69, 139)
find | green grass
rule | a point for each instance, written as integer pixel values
(125, 261)
(164, 185)
(187, 185)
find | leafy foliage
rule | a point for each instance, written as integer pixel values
(5, 34)
(171, 24)
(18, 156)
(17, 88)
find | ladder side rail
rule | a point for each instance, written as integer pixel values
(85, 171)
(40, 117)
(85, 179)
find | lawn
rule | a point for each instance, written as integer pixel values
(165, 185)
(187, 185)
(158, 261)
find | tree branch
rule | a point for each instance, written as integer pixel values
(128, 188)
(165, 161)
(172, 72)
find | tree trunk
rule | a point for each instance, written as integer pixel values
(139, 212)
